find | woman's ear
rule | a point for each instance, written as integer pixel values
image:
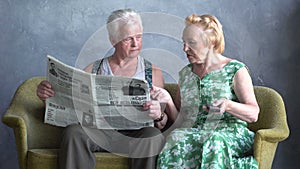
(211, 48)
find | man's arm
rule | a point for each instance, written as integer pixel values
(157, 77)
(89, 68)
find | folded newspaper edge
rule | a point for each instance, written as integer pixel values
(96, 101)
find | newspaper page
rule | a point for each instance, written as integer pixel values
(96, 101)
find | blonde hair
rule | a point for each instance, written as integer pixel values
(212, 30)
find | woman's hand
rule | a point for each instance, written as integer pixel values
(218, 106)
(153, 108)
(44, 90)
(221, 104)
(160, 94)
(156, 107)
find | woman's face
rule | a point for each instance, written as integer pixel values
(194, 47)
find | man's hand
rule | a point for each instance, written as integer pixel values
(44, 90)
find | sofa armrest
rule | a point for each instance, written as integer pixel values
(265, 144)
(271, 127)
(24, 110)
(272, 123)
(14, 118)
(273, 135)
(20, 132)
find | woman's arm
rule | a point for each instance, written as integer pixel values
(247, 109)
(169, 110)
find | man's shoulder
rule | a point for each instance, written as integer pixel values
(94, 66)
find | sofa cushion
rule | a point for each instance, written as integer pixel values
(47, 159)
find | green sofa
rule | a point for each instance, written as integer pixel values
(37, 143)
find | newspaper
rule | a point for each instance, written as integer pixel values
(96, 101)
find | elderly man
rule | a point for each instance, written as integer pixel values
(77, 147)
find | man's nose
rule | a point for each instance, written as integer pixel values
(134, 41)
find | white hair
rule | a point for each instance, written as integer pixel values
(119, 18)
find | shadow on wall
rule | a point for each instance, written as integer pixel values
(289, 71)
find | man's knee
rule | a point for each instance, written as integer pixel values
(72, 132)
(149, 132)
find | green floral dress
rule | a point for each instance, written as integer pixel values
(207, 140)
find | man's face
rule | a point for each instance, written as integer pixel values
(130, 43)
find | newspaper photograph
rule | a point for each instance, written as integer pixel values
(96, 101)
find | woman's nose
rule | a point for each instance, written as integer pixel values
(185, 47)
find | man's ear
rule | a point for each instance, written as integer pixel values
(112, 41)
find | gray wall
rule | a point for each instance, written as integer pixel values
(263, 34)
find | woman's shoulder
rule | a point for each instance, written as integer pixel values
(185, 71)
(188, 67)
(235, 64)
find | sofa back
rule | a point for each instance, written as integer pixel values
(41, 135)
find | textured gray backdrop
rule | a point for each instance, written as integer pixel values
(263, 34)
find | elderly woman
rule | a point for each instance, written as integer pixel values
(215, 102)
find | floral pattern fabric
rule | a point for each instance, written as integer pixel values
(207, 140)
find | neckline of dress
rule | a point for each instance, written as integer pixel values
(211, 72)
